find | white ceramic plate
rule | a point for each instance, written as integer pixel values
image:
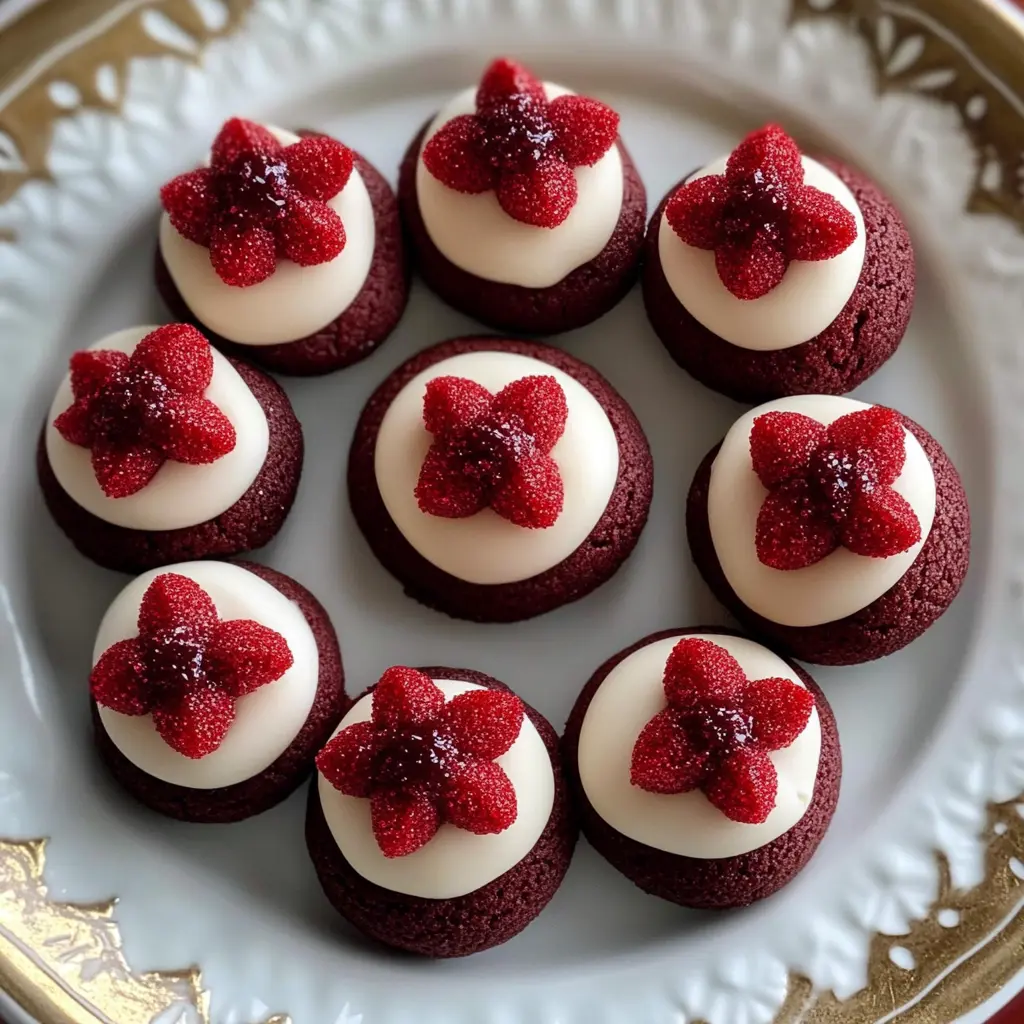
(930, 735)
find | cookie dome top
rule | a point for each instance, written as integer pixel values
(204, 673)
(273, 238)
(763, 247)
(153, 429)
(520, 181)
(434, 787)
(817, 505)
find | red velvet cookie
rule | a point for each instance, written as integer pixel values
(759, 297)
(448, 845)
(704, 767)
(158, 449)
(499, 479)
(265, 689)
(537, 237)
(816, 563)
(332, 279)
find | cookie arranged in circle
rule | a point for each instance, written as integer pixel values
(286, 250)
(522, 206)
(704, 767)
(439, 820)
(836, 530)
(214, 684)
(499, 479)
(158, 449)
(770, 273)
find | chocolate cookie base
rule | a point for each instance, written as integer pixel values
(358, 330)
(891, 621)
(591, 564)
(461, 925)
(287, 773)
(717, 883)
(248, 524)
(860, 339)
(582, 296)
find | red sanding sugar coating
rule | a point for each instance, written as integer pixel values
(136, 412)
(830, 486)
(717, 730)
(493, 450)
(759, 215)
(423, 762)
(521, 146)
(187, 667)
(260, 201)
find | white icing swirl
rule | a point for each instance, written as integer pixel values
(266, 720)
(180, 494)
(478, 236)
(454, 862)
(686, 824)
(486, 548)
(809, 297)
(841, 583)
(294, 301)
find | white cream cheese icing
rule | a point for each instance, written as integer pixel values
(294, 301)
(686, 824)
(266, 720)
(476, 234)
(454, 862)
(486, 548)
(810, 296)
(842, 582)
(180, 494)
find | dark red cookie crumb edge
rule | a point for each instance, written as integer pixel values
(372, 315)
(583, 295)
(591, 564)
(891, 621)
(718, 883)
(249, 523)
(287, 773)
(486, 917)
(862, 337)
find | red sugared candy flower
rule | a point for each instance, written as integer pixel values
(830, 486)
(187, 667)
(759, 215)
(521, 146)
(717, 730)
(422, 762)
(136, 412)
(260, 201)
(493, 450)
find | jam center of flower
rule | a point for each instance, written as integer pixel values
(174, 661)
(517, 133)
(838, 477)
(418, 755)
(757, 207)
(719, 730)
(121, 411)
(487, 450)
(255, 187)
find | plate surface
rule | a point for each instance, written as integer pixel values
(932, 736)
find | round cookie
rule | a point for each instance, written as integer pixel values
(850, 339)
(519, 573)
(717, 881)
(525, 277)
(470, 920)
(249, 327)
(186, 511)
(322, 685)
(884, 617)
